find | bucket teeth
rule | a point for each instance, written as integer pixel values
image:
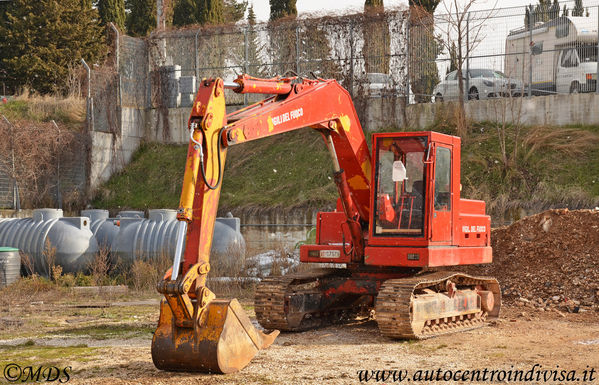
(225, 343)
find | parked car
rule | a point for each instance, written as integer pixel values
(482, 84)
(379, 84)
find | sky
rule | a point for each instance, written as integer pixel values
(332, 7)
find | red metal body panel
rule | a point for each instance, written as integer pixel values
(330, 228)
(427, 256)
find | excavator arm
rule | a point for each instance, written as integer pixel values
(196, 332)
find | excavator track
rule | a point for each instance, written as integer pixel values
(269, 303)
(395, 303)
(295, 302)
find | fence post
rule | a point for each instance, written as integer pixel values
(468, 56)
(297, 50)
(58, 193)
(530, 27)
(597, 74)
(197, 59)
(90, 111)
(16, 202)
(118, 45)
(246, 58)
(408, 58)
(351, 58)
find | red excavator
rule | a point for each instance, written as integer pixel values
(399, 213)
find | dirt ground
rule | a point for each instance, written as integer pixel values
(110, 344)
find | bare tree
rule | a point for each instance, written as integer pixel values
(458, 29)
(30, 154)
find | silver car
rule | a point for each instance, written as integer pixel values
(482, 84)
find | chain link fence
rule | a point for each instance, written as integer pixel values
(365, 52)
(512, 51)
(402, 56)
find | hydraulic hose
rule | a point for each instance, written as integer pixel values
(220, 172)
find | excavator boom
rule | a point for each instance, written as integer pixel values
(196, 332)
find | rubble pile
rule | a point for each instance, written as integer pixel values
(548, 261)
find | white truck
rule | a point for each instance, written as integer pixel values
(564, 55)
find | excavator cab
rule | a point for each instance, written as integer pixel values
(400, 180)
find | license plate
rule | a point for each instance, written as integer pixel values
(330, 253)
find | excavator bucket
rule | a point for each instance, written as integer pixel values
(225, 342)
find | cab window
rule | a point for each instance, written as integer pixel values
(400, 186)
(569, 58)
(443, 179)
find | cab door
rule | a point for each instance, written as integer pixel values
(441, 221)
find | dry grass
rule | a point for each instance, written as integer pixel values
(27, 263)
(568, 141)
(49, 259)
(70, 109)
(144, 274)
(31, 289)
(229, 264)
(100, 266)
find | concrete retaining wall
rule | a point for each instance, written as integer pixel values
(110, 152)
(275, 229)
(554, 110)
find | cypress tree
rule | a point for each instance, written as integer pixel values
(234, 11)
(142, 17)
(453, 58)
(255, 67)
(373, 3)
(423, 49)
(211, 12)
(282, 46)
(554, 10)
(185, 13)
(578, 8)
(376, 38)
(190, 12)
(112, 11)
(44, 38)
(282, 8)
(251, 16)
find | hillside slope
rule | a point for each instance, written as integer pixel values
(287, 171)
(553, 167)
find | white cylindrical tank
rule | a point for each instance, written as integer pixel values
(10, 265)
(156, 237)
(146, 238)
(48, 235)
(104, 228)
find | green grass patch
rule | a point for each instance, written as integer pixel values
(543, 167)
(289, 170)
(29, 353)
(108, 331)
